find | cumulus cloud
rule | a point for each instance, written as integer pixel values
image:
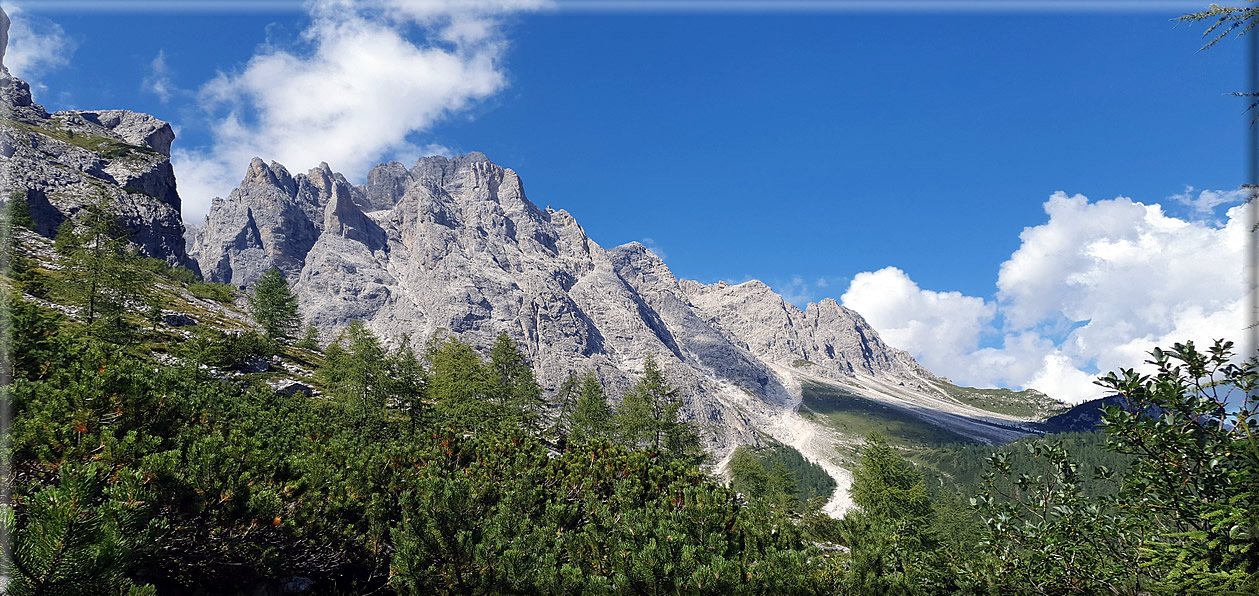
(1093, 289)
(936, 325)
(356, 92)
(36, 47)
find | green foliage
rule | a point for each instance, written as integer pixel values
(565, 403)
(79, 536)
(592, 417)
(856, 416)
(1046, 536)
(310, 338)
(31, 329)
(1028, 403)
(621, 524)
(1184, 519)
(106, 147)
(459, 384)
(182, 275)
(1227, 19)
(960, 469)
(893, 533)
(100, 273)
(166, 477)
(274, 307)
(780, 475)
(648, 416)
(211, 291)
(887, 486)
(513, 388)
(227, 351)
(369, 379)
(1194, 484)
(17, 212)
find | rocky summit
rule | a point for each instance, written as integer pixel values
(62, 161)
(455, 245)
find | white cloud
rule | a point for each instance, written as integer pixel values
(939, 326)
(159, 81)
(1206, 202)
(651, 245)
(36, 46)
(353, 96)
(1093, 289)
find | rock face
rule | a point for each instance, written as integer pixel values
(271, 220)
(63, 161)
(455, 245)
(831, 340)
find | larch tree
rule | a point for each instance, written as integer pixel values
(514, 391)
(649, 416)
(274, 306)
(101, 272)
(592, 418)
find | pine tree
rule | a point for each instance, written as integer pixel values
(459, 384)
(76, 539)
(514, 390)
(274, 306)
(649, 416)
(592, 418)
(101, 272)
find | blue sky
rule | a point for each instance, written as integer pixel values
(812, 147)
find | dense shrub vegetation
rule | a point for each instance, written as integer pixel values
(446, 470)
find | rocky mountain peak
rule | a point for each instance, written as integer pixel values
(454, 244)
(63, 161)
(343, 217)
(15, 94)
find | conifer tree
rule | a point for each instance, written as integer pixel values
(274, 306)
(76, 540)
(310, 338)
(459, 384)
(357, 371)
(514, 390)
(101, 272)
(566, 402)
(409, 382)
(17, 212)
(592, 418)
(649, 416)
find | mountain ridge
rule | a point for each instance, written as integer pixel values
(455, 245)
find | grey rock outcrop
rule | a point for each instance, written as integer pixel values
(455, 245)
(4, 36)
(271, 220)
(829, 339)
(61, 162)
